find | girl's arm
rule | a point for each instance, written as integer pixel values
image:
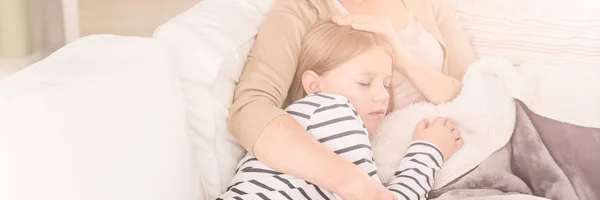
(266, 131)
(415, 176)
(433, 144)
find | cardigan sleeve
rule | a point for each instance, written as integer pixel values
(271, 64)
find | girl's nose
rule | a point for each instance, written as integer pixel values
(380, 94)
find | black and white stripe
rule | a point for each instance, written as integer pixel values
(415, 177)
(334, 122)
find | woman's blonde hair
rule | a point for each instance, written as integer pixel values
(328, 45)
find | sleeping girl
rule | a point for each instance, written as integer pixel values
(340, 94)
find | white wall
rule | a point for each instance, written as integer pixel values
(45, 35)
(48, 22)
(15, 33)
(128, 17)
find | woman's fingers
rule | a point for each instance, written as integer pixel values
(350, 19)
(346, 20)
(369, 23)
(375, 28)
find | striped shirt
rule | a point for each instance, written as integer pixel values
(334, 122)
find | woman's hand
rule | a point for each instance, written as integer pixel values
(379, 25)
(436, 86)
(365, 189)
(441, 133)
(375, 24)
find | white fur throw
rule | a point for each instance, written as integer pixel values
(484, 112)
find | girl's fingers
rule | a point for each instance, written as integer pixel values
(449, 125)
(440, 121)
(459, 142)
(455, 134)
(422, 125)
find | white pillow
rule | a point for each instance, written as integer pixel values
(484, 112)
(101, 118)
(215, 38)
(561, 33)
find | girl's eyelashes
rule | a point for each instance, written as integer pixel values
(387, 85)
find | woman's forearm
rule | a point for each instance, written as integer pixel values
(436, 86)
(285, 146)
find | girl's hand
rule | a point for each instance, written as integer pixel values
(441, 133)
(379, 25)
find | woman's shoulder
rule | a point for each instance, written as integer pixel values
(313, 7)
(309, 10)
(434, 8)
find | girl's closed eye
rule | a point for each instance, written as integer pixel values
(364, 83)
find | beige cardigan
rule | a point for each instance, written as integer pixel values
(271, 64)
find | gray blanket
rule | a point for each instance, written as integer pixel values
(544, 158)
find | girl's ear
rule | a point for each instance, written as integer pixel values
(310, 82)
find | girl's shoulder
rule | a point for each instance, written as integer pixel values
(319, 100)
(321, 107)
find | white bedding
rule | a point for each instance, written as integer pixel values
(484, 112)
(102, 118)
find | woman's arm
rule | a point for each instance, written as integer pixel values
(286, 147)
(268, 74)
(436, 86)
(460, 53)
(264, 129)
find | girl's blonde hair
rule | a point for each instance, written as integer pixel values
(328, 45)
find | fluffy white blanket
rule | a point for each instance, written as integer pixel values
(484, 112)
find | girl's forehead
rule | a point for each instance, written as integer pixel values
(370, 60)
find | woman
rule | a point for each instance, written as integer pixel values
(437, 53)
(329, 95)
